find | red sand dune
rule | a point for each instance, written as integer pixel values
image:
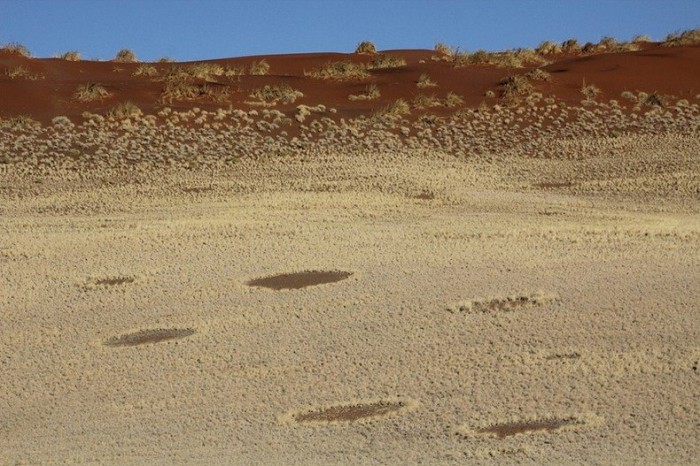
(670, 71)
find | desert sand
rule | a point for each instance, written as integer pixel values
(490, 291)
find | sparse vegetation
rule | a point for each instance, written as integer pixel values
(654, 100)
(387, 61)
(641, 38)
(538, 74)
(276, 93)
(366, 47)
(339, 70)
(422, 101)
(548, 48)
(571, 46)
(72, 55)
(126, 56)
(677, 39)
(90, 92)
(425, 81)
(165, 60)
(21, 72)
(371, 92)
(146, 70)
(395, 109)
(515, 86)
(259, 68)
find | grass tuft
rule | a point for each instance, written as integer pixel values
(425, 81)
(72, 55)
(371, 93)
(126, 56)
(90, 92)
(366, 47)
(14, 47)
(339, 70)
(259, 68)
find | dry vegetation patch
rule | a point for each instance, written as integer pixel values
(339, 70)
(425, 81)
(19, 49)
(126, 56)
(276, 93)
(90, 92)
(366, 47)
(22, 72)
(72, 55)
(384, 61)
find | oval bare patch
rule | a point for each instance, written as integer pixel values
(523, 427)
(298, 280)
(348, 413)
(143, 337)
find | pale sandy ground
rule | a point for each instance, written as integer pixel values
(616, 344)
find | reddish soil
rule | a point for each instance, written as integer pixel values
(669, 71)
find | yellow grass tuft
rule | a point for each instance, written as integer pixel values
(366, 47)
(90, 92)
(125, 56)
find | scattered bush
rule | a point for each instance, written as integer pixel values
(339, 70)
(126, 56)
(397, 108)
(72, 55)
(366, 47)
(425, 81)
(371, 92)
(165, 60)
(444, 49)
(259, 68)
(14, 47)
(90, 92)
(629, 96)
(677, 39)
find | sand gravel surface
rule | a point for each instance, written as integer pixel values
(469, 312)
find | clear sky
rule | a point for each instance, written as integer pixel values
(200, 29)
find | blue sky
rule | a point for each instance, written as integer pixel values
(201, 29)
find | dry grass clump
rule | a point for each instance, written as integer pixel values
(515, 86)
(184, 90)
(259, 68)
(383, 61)
(509, 59)
(444, 49)
(72, 55)
(14, 47)
(653, 100)
(165, 60)
(589, 91)
(20, 122)
(677, 39)
(548, 48)
(538, 74)
(146, 70)
(339, 70)
(452, 100)
(234, 70)
(205, 71)
(422, 101)
(425, 81)
(126, 56)
(124, 110)
(366, 47)
(371, 93)
(641, 38)
(21, 72)
(571, 46)
(276, 93)
(90, 92)
(395, 109)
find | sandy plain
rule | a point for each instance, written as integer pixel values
(490, 316)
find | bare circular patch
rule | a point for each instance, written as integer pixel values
(513, 428)
(114, 281)
(298, 280)
(143, 337)
(545, 424)
(351, 412)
